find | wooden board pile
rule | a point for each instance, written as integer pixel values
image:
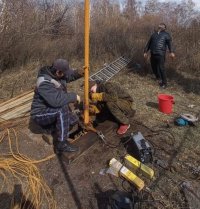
(16, 107)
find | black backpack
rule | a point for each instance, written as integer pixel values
(121, 200)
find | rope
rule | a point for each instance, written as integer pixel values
(16, 168)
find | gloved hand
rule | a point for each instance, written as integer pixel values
(78, 99)
(93, 109)
(97, 97)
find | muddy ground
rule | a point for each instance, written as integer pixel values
(80, 185)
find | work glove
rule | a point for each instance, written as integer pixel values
(97, 97)
(93, 109)
(78, 99)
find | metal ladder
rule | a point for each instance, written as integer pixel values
(110, 70)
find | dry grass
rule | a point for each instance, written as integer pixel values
(182, 153)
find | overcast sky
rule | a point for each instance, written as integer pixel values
(197, 2)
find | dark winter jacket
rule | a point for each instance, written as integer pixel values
(51, 92)
(113, 92)
(158, 43)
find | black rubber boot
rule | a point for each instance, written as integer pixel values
(64, 146)
(163, 86)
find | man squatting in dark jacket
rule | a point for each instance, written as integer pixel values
(51, 101)
(112, 97)
(157, 44)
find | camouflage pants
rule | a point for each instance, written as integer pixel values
(122, 110)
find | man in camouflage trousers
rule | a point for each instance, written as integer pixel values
(119, 103)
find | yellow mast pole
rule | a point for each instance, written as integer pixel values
(86, 65)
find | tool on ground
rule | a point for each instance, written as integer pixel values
(189, 117)
(100, 134)
(185, 119)
(140, 148)
(136, 165)
(120, 170)
(181, 122)
(128, 170)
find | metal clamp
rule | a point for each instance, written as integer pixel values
(101, 135)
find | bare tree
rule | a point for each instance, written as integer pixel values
(27, 28)
(131, 8)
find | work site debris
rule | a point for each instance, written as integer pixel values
(161, 163)
(191, 106)
(189, 117)
(195, 170)
(103, 171)
(192, 194)
(186, 119)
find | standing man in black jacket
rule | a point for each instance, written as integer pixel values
(51, 101)
(158, 44)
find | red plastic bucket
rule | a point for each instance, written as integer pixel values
(165, 103)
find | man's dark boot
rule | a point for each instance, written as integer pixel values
(64, 146)
(163, 86)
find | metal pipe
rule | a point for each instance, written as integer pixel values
(86, 65)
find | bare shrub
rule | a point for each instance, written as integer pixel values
(35, 30)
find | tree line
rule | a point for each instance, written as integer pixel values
(42, 30)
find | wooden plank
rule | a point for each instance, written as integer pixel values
(88, 140)
(16, 98)
(15, 113)
(84, 143)
(17, 102)
(6, 109)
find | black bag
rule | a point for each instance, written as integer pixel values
(121, 200)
